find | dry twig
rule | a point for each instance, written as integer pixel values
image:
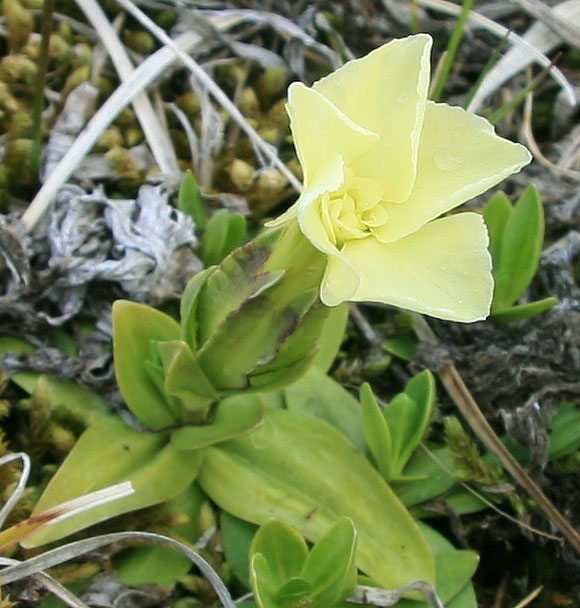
(463, 399)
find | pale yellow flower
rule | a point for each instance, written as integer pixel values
(380, 164)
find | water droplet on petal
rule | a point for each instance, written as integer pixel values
(444, 160)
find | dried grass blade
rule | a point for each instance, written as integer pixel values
(525, 47)
(52, 585)
(501, 112)
(49, 559)
(517, 58)
(20, 486)
(493, 59)
(141, 77)
(286, 28)
(157, 137)
(215, 91)
(550, 18)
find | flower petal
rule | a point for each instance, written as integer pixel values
(309, 213)
(443, 269)
(340, 281)
(460, 156)
(329, 179)
(386, 92)
(321, 131)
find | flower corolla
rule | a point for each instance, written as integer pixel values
(381, 163)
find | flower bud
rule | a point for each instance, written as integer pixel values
(250, 324)
(255, 320)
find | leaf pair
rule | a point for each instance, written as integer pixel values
(393, 433)
(516, 236)
(159, 376)
(222, 233)
(285, 574)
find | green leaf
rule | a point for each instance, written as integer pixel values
(264, 475)
(135, 326)
(565, 431)
(435, 479)
(246, 338)
(185, 380)
(521, 248)
(214, 237)
(492, 60)
(408, 416)
(107, 453)
(319, 395)
(157, 565)
(403, 347)
(189, 502)
(64, 341)
(466, 598)
(223, 233)
(238, 278)
(237, 536)
(235, 416)
(453, 44)
(376, 430)
(521, 312)
(331, 336)
(295, 350)
(296, 592)
(496, 214)
(331, 567)
(283, 549)
(237, 233)
(280, 376)
(10, 344)
(263, 582)
(464, 502)
(189, 200)
(454, 568)
(188, 306)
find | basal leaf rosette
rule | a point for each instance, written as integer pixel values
(381, 163)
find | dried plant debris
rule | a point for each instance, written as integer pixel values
(77, 109)
(505, 365)
(91, 251)
(144, 245)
